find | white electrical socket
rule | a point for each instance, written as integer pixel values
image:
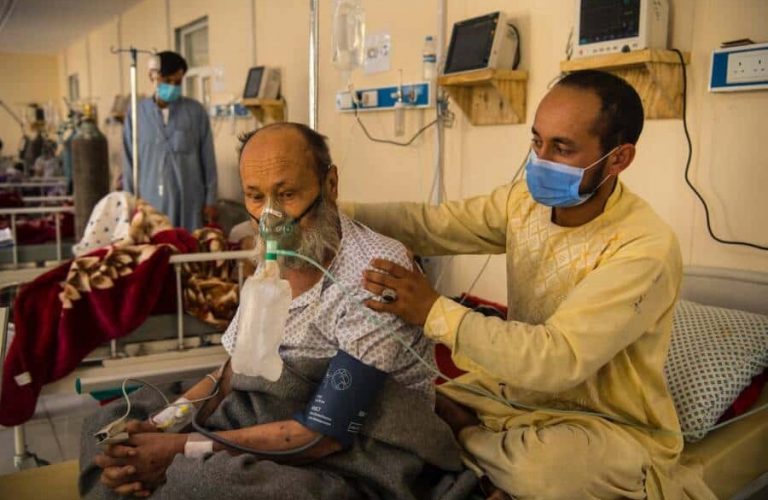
(343, 100)
(746, 67)
(369, 99)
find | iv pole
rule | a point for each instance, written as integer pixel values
(314, 16)
(134, 112)
(134, 134)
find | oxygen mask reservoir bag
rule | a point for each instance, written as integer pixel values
(264, 304)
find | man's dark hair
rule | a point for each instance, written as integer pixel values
(317, 143)
(171, 62)
(621, 114)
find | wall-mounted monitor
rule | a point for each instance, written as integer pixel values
(263, 82)
(483, 42)
(609, 26)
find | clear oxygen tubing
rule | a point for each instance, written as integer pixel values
(514, 404)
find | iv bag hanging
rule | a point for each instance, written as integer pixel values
(348, 34)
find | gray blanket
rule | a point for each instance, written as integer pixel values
(404, 451)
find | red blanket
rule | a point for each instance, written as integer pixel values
(69, 311)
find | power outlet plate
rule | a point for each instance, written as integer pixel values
(415, 95)
(739, 68)
(748, 67)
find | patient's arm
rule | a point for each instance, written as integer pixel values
(200, 391)
(280, 436)
(204, 388)
(139, 465)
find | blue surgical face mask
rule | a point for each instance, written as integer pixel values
(557, 184)
(167, 92)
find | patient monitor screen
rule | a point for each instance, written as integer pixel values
(605, 20)
(471, 44)
(254, 82)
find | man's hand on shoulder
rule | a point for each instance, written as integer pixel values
(405, 293)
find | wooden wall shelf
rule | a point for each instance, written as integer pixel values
(655, 74)
(488, 96)
(266, 110)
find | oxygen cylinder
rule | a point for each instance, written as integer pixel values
(90, 169)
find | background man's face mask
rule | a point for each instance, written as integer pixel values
(167, 92)
(557, 184)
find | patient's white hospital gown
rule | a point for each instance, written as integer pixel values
(325, 319)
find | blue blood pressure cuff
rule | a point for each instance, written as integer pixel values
(341, 402)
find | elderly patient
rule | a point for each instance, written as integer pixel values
(290, 163)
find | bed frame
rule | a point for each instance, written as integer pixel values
(17, 254)
(165, 349)
(733, 466)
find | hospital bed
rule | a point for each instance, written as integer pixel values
(37, 203)
(734, 458)
(58, 250)
(164, 349)
(38, 185)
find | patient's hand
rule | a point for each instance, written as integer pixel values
(154, 453)
(139, 465)
(117, 474)
(138, 426)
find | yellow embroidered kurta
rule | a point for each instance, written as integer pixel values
(590, 313)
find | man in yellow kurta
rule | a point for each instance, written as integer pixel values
(593, 275)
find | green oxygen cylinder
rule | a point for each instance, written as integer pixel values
(90, 168)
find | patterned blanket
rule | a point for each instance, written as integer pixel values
(105, 294)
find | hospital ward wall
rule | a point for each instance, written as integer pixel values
(151, 25)
(24, 78)
(728, 165)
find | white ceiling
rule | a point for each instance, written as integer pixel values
(47, 26)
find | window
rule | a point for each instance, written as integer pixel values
(74, 88)
(192, 44)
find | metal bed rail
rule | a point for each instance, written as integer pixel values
(13, 212)
(179, 260)
(47, 182)
(48, 199)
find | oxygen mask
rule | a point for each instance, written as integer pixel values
(277, 226)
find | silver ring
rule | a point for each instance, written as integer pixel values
(388, 295)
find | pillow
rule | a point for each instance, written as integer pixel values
(747, 398)
(713, 355)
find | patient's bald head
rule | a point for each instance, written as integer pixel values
(309, 146)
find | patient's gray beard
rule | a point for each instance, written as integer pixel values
(318, 241)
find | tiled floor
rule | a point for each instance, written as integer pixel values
(53, 434)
